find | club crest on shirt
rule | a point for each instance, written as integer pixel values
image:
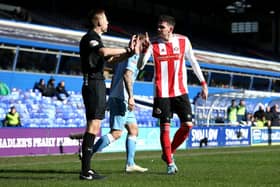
(93, 43)
(176, 49)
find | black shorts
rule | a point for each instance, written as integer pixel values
(94, 96)
(164, 108)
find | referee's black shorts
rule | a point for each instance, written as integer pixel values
(164, 108)
(94, 96)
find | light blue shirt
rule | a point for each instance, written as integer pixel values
(118, 89)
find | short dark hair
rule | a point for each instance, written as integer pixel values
(94, 12)
(166, 18)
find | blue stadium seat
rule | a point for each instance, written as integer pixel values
(39, 111)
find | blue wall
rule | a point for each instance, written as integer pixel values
(25, 81)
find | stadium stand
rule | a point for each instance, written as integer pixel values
(38, 111)
(45, 112)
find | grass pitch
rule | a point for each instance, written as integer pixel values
(244, 166)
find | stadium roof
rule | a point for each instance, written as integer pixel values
(233, 63)
(208, 23)
(220, 6)
(32, 35)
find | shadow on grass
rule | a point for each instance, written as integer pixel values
(32, 178)
(51, 171)
(20, 174)
(50, 174)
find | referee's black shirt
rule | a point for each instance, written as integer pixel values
(92, 63)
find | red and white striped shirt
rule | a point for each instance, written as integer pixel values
(170, 75)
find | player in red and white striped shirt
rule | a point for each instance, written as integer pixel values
(169, 52)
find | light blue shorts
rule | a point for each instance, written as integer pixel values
(119, 114)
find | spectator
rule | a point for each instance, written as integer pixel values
(259, 116)
(259, 113)
(40, 86)
(50, 90)
(241, 112)
(232, 112)
(12, 118)
(62, 93)
(275, 121)
(268, 116)
(250, 119)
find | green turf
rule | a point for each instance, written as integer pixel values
(245, 166)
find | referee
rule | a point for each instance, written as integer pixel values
(93, 58)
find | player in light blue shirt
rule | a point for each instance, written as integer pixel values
(122, 105)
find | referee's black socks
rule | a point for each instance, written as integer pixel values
(88, 141)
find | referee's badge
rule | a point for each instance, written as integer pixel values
(93, 43)
(157, 111)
